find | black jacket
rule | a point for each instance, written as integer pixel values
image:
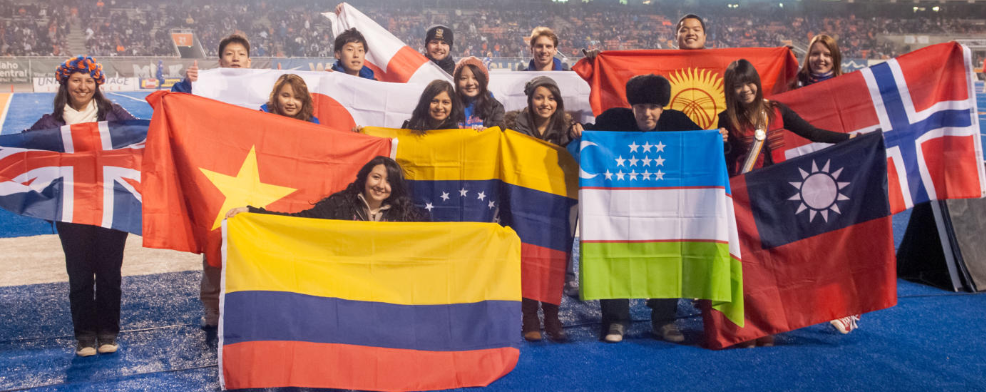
(344, 206)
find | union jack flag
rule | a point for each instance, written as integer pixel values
(925, 102)
(84, 173)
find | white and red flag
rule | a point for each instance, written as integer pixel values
(389, 58)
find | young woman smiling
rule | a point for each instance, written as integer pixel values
(290, 98)
(481, 109)
(438, 108)
(822, 62)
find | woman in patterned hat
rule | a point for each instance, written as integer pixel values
(93, 255)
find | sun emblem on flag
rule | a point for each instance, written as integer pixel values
(698, 93)
(819, 191)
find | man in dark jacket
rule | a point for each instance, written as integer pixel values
(234, 52)
(438, 47)
(544, 47)
(648, 95)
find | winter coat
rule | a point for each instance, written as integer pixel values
(521, 121)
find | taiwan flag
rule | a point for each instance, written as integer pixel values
(205, 157)
(817, 241)
(695, 76)
(925, 103)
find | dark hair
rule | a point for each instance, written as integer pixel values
(103, 105)
(682, 21)
(231, 39)
(484, 103)
(557, 127)
(300, 88)
(351, 35)
(421, 120)
(739, 73)
(401, 203)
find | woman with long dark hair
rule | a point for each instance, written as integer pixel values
(481, 109)
(379, 193)
(544, 117)
(290, 98)
(822, 62)
(93, 255)
(438, 108)
(755, 125)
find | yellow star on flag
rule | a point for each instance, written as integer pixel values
(244, 189)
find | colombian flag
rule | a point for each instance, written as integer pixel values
(367, 305)
(504, 177)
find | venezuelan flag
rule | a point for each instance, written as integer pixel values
(367, 305)
(504, 177)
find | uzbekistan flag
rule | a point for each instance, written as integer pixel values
(657, 219)
(367, 305)
(206, 157)
(817, 240)
(695, 76)
(504, 177)
(390, 59)
(85, 173)
(924, 102)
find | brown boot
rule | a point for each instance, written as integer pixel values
(532, 325)
(552, 325)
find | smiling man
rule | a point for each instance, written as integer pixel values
(350, 52)
(690, 32)
(438, 47)
(544, 46)
(234, 52)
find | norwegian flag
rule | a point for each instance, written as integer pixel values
(926, 105)
(84, 173)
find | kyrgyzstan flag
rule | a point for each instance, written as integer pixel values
(205, 157)
(695, 76)
(924, 102)
(341, 101)
(817, 242)
(390, 59)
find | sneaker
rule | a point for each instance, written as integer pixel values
(86, 347)
(572, 290)
(615, 334)
(766, 341)
(845, 324)
(108, 345)
(669, 332)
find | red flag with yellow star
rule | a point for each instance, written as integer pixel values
(204, 157)
(695, 76)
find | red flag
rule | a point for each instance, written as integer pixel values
(926, 105)
(204, 157)
(816, 239)
(695, 76)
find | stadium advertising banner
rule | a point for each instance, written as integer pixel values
(48, 84)
(14, 71)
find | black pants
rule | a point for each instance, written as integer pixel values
(93, 257)
(663, 311)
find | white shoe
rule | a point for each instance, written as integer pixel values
(669, 332)
(615, 334)
(845, 324)
(86, 348)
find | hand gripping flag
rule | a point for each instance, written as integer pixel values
(206, 157)
(925, 103)
(341, 101)
(390, 59)
(367, 305)
(505, 177)
(657, 219)
(85, 173)
(817, 241)
(695, 76)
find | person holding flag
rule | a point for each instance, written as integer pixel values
(234, 52)
(647, 95)
(93, 254)
(755, 126)
(438, 47)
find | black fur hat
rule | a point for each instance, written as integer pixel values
(653, 89)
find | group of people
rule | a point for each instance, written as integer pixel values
(751, 127)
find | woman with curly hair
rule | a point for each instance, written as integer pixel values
(380, 193)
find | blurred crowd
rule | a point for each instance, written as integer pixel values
(492, 28)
